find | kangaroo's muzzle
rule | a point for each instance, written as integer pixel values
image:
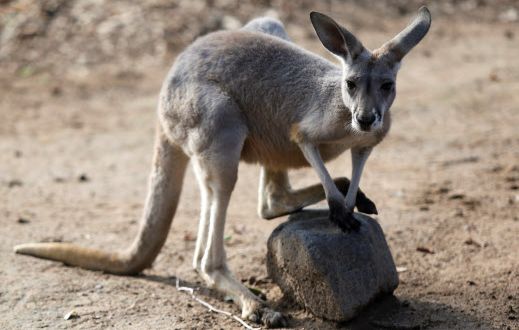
(365, 120)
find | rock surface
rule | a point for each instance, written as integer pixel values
(330, 273)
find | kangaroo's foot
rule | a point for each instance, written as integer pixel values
(268, 317)
(253, 308)
(216, 169)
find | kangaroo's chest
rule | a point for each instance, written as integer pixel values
(279, 152)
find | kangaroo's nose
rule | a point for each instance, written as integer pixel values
(365, 120)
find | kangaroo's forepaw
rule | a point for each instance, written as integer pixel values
(342, 217)
(269, 318)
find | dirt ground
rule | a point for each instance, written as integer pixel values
(77, 118)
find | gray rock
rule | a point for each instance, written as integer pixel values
(332, 274)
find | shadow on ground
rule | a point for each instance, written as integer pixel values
(389, 312)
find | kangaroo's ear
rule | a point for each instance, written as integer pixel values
(399, 46)
(336, 38)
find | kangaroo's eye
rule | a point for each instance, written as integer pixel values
(351, 85)
(387, 87)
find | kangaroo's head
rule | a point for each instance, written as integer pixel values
(368, 81)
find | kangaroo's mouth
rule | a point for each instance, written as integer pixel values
(359, 128)
(364, 127)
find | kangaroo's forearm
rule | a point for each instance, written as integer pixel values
(313, 157)
(358, 160)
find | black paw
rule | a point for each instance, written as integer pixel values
(363, 203)
(342, 184)
(269, 318)
(343, 218)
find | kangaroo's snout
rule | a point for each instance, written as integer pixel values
(365, 120)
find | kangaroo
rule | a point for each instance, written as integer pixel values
(267, 25)
(253, 95)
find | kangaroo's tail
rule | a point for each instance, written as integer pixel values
(165, 184)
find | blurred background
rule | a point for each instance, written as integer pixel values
(78, 89)
(63, 35)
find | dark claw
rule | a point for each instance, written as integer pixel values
(363, 203)
(343, 218)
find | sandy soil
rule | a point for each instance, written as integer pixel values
(76, 143)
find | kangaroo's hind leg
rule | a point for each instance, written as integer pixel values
(218, 173)
(206, 196)
(277, 198)
(215, 159)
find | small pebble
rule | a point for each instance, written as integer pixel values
(23, 221)
(71, 315)
(83, 178)
(14, 183)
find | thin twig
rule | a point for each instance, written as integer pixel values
(210, 307)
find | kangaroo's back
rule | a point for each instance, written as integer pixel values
(262, 71)
(274, 83)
